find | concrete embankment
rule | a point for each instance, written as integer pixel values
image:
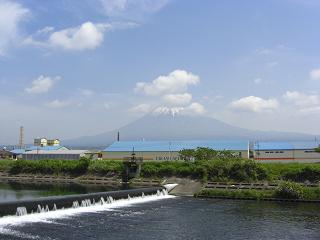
(185, 187)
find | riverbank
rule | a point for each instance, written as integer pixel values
(204, 178)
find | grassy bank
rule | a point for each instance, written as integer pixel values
(238, 170)
(286, 190)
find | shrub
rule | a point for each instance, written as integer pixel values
(311, 174)
(290, 190)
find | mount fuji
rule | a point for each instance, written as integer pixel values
(167, 126)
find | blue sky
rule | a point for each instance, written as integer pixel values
(70, 68)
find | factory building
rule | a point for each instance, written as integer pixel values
(286, 152)
(169, 150)
(55, 154)
(17, 153)
(259, 151)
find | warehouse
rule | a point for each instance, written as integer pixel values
(286, 151)
(55, 154)
(169, 150)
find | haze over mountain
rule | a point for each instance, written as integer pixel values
(181, 127)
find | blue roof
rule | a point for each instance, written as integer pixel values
(30, 148)
(164, 146)
(18, 151)
(285, 145)
(47, 148)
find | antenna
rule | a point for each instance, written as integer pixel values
(21, 137)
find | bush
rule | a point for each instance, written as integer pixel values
(72, 167)
(290, 190)
(311, 174)
(106, 167)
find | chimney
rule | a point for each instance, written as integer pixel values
(118, 136)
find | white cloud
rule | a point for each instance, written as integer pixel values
(58, 104)
(141, 108)
(195, 109)
(178, 99)
(176, 82)
(132, 8)
(305, 103)
(84, 37)
(11, 15)
(254, 104)
(315, 74)
(42, 84)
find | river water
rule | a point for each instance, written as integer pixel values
(172, 218)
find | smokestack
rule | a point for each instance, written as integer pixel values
(118, 136)
(21, 137)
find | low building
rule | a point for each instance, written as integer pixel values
(17, 153)
(42, 142)
(56, 154)
(168, 150)
(286, 152)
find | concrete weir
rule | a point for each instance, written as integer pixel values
(59, 202)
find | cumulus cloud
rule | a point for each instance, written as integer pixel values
(315, 74)
(11, 16)
(42, 84)
(169, 94)
(195, 108)
(84, 37)
(132, 8)
(306, 103)
(178, 99)
(254, 104)
(176, 82)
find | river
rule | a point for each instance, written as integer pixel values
(174, 218)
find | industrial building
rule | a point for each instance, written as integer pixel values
(18, 152)
(259, 151)
(169, 150)
(56, 154)
(286, 151)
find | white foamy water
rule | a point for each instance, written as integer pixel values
(48, 217)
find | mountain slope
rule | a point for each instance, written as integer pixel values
(181, 127)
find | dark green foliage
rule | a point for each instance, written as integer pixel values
(72, 167)
(311, 174)
(317, 149)
(106, 167)
(203, 153)
(290, 190)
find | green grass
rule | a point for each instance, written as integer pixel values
(306, 194)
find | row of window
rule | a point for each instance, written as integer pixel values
(275, 152)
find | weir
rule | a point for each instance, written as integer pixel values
(47, 204)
